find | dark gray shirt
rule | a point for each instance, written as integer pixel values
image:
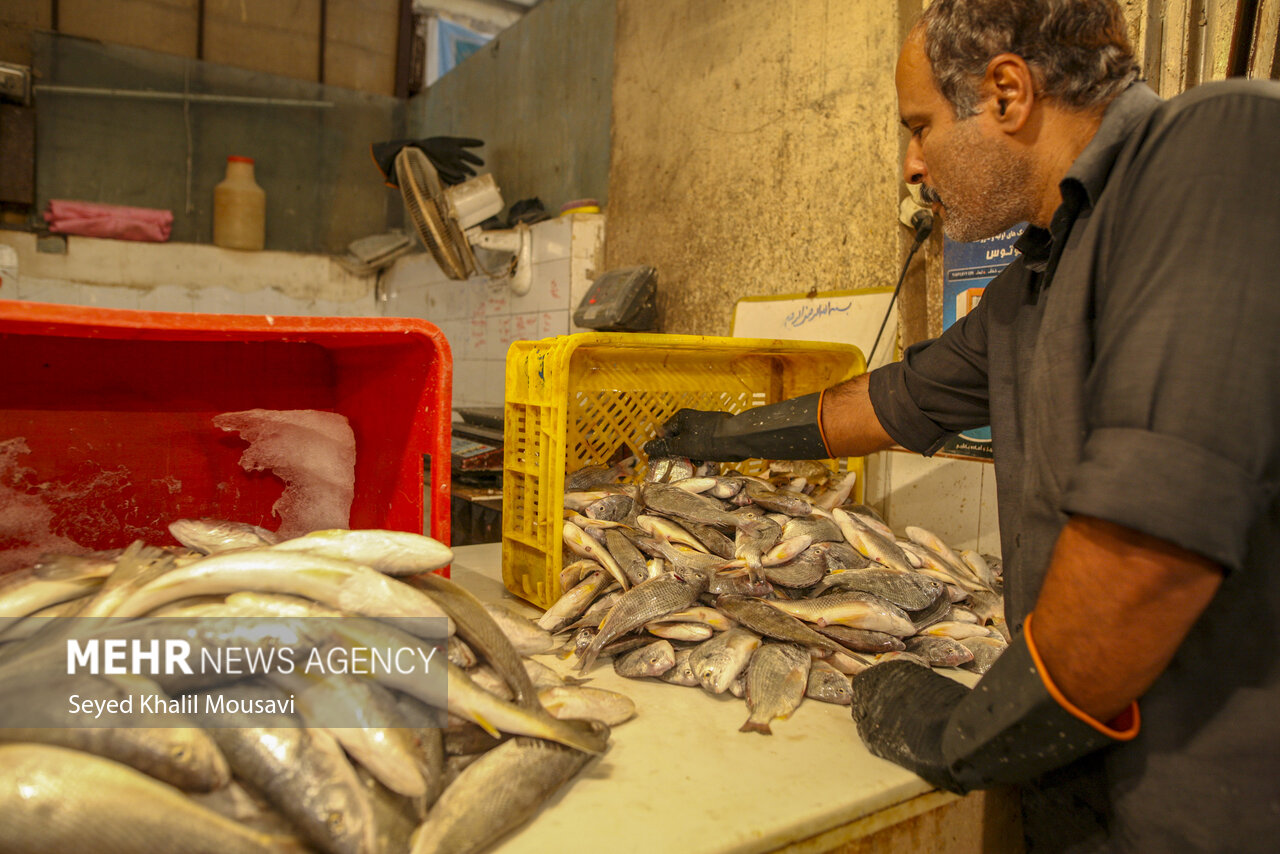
(1128, 363)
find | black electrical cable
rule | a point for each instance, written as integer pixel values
(922, 221)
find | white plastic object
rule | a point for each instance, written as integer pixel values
(475, 200)
(519, 242)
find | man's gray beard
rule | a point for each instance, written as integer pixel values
(999, 199)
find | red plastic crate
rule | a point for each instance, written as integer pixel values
(123, 401)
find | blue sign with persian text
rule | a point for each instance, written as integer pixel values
(967, 268)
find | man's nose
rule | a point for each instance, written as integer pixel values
(913, 168)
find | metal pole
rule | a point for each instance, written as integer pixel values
(148, 95)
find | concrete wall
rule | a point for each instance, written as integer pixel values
(755, 150)
(273, 36)
(539, 96)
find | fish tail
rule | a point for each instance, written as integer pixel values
(756, 726)
(579, 735)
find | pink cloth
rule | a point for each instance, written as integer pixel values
(93, 219)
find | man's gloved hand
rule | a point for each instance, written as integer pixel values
(901, 710)
(788, 430)
(1013, 726)
(448, 154)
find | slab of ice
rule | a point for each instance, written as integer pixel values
(26, 519)
(313, 452)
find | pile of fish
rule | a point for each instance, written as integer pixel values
(514, 732)
(774, 589)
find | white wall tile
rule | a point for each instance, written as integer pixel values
(553, 323)
(989, 517)
(167, 298)
(218, 301)
(107, 296)
(52, 290)
(468, 382)
(501, 335)
(937, 493)
(479, 336)
(495, 382)
(526, 327)
(271, 301)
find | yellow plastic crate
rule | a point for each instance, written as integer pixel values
(574, 400)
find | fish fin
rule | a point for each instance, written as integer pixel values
(64, 568)
(572, 681)
(486, 726)
(756, 726)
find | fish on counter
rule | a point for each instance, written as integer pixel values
(786, 561)
(217, 783)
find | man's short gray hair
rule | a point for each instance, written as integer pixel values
(1078, 50)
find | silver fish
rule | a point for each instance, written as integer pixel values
(805, 569)
(595, 476)
(585, 703)
(776, 681)
(645, 602)
(688, 632)
(611, 508)
(851, 608)
(862, 640)
(909, 591)
(827, 684)
(498, 792)
(871, 543)
(55, 799)
(939, 651)
(681, 673)
(582, 544)
(763, 618)
(779, 500)
(954, 630)
(719, 661)
(24, 592)
(627, 555)
(818, 528)
(573, 603)
(210, 536)
(985, 652)
(524, 634)
(837, 492)
(303, 773)
(669, 469)
(339, 584)
(669, 532)
(652, 659)
(390, 552)
(483, 632)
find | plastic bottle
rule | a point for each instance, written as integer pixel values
(239, 207)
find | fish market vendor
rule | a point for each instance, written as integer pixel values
(1128, 364)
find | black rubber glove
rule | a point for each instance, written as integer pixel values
(780, 431)
(901, 710)
(448, 154)
(1008, 729)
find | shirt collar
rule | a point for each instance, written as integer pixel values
(1091, 169)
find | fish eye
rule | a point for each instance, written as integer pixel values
(334, 821)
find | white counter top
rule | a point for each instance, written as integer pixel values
(680, 777)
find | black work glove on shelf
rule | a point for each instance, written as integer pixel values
(448, 154)
(1008, 729)
(787, 430)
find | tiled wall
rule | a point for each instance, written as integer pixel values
(481, 317)
(184, 277)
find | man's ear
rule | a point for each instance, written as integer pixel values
(1010, 87)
